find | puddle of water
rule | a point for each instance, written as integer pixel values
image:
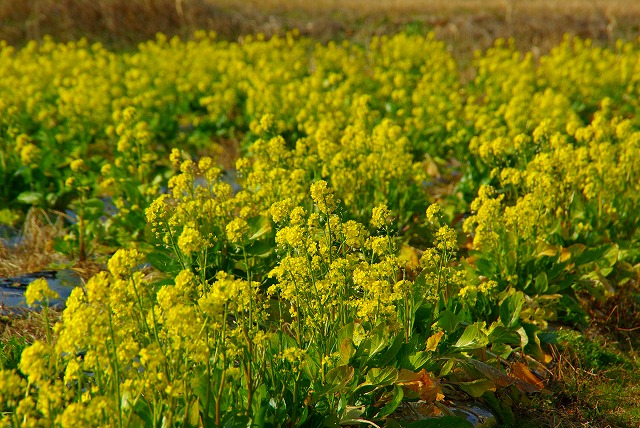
(12, 289)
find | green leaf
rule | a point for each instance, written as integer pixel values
(194, 413)
(378, 339)
(477, 387)
(392, 423)
(606, 254)
(93, 208)
(524, 336)
(163, 262)
(472, 338)
(199, 386)
(500, 408)
(449, 320)
(347, 350)
(533, 346)
(501, 334)
(485, 267)
(512, 261)
(337, 378)
(609, 258)
(391, 406)
(392, 352)
(492, 373)
(30, 198)
(510, 309)
(443, 422)
(260, 226)
(502, 350)
(542, 283)
(416, 360)
(446, 368)
(382, 376)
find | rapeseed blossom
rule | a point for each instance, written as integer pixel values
(342, 148)
(39, 291)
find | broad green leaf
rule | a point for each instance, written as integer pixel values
(392, 423)
(501, 334)
(500, 408)
(512, 261)
(353, 412)
(442, 422)
(609, 258)
(199, 386)
(260, 226)
(607, 253)
(546, 250)
(346, 332)
(337, 378)
(347, 350)
(492, 373)
(416, 360)
(391, 406)
(533, 346)
(485, 267)
(382, 376)
(542, 283)
(446, 368)
(501, 350)
(30, 198)
(472, 338)
(510, 309)
(524, 336)
(477, 387)
(379, 339)
(194, 413)
(163, 262)
(449, 320)
(391, 354)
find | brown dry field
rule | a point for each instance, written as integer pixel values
(465, 25)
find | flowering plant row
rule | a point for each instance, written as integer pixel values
(324, 277)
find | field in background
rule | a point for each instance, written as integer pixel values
(465, 24)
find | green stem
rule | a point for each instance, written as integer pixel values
(45, 310)
(116, 370)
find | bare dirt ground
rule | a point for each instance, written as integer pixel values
(465, 24)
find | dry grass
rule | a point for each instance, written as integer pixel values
(34, 251)
(465, 24)
(28, 326)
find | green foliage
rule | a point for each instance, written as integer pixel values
(10, 351)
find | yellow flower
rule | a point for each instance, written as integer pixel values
(237, 230)
(190, 240)
(381, 216)
(323, 197)
(435, 214)
(77, 165)
(280, 210)
(29, 154)
(39, 291)
(123, 262)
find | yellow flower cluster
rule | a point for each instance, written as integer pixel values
(334, 272)
(557, 142)
(39, 291)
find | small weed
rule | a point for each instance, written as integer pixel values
(10, 351)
